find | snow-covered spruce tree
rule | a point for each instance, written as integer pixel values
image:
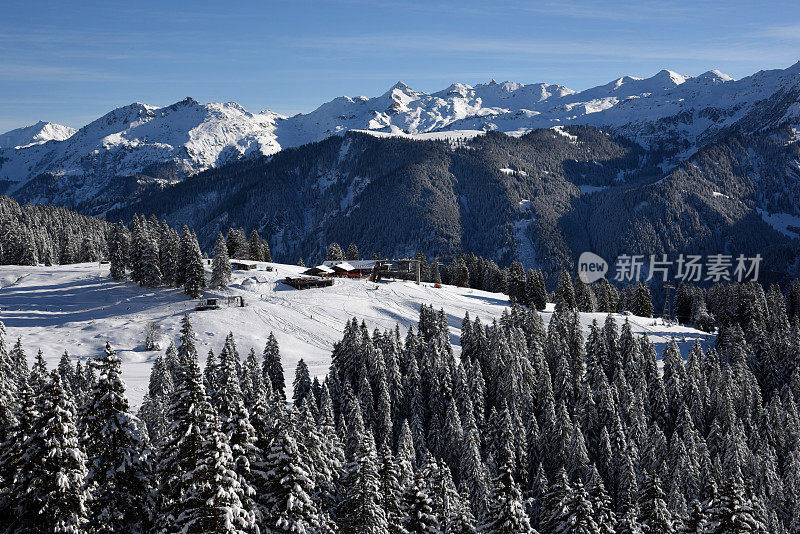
(289, 486)
(153, 412)
(221, 266)
(416, 510)
(565, 293)
(169, 243)
(301, 387)
(49, 493)
(535, 290)
(117, 251)
(654, 515)
(578, 514)
(254, 247)
(198, 489)
(643, 301)
(117, 446)
(352, 252)
(515, 284)
(319, 447)
(8, 387)
(184, 249)
(335, 252)
(237, 243)
(436, 276)
(149, 269)
(273, 370)
(235, 420)
(13, 451)
(360, 508)
(505, 513)
(732, 512)
(195, 277)
(449, 506)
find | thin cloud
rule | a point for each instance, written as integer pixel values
(541, 50)
(19, 72)
(789, 33)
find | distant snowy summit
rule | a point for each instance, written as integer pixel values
(187, 137)
(41, 132)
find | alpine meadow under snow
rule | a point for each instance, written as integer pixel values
(78, 308)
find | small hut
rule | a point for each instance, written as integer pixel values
(320, 270)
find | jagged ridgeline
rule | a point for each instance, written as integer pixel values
(534, 428)
(542, 198)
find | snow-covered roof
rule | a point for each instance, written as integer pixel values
(320, 268)
(343, 266)
(354, 264)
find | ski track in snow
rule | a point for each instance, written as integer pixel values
(79, 308)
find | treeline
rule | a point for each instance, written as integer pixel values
(30, 235)
(533, 428)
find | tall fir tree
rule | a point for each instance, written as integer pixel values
(221, 266)
(117, 446)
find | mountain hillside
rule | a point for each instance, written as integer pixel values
(542, 198)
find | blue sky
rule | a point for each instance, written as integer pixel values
(70, 62)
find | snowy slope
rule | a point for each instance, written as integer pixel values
(78, 308)
(36, 134)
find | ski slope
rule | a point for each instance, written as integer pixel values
(78, 308)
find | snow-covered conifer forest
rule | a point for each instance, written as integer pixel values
(492, 403)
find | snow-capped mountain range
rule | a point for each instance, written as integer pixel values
(668, 110)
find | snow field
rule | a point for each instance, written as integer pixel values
(79, 308)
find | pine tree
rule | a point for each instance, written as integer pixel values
(654, 515)
(505, 513)
(436, 276)
(578, 515)
(50, 493)
(360, 510)
(515, 288)
(221, 267)
(234, 419)
(335, 252)
(535, 289)
(195, 277)
(153, 412)
(731, 512)
(254, 250)
(119, 456)
(273, 370)
(301, 388)
(416, 511)
(117, 251)
(643, 301)
(289, 487)
(148, 269)
(198, 489)
(352, 252)
(565, 293)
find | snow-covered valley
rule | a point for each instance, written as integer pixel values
(79, 307)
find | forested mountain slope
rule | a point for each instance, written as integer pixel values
(543, 198)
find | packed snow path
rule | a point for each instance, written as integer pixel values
(78, 308)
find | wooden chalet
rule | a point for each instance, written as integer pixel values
(307, 282)
(322, 271)
(240, 265)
